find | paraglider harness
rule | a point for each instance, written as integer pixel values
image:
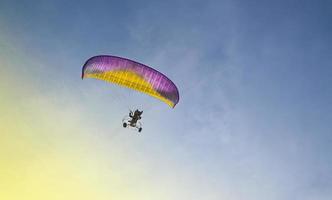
(133, 120)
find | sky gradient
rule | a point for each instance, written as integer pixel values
(253, 121)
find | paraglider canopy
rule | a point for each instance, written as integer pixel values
(133, 75)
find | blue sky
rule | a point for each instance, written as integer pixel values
(254, 118)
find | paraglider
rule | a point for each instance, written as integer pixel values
(133, 75)
(132, 120)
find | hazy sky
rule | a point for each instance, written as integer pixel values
(253, 122)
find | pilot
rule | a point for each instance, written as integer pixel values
(135, 117)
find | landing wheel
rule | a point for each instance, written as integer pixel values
(140, 129)
(124, 125)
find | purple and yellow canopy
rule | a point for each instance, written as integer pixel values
(133, 75)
